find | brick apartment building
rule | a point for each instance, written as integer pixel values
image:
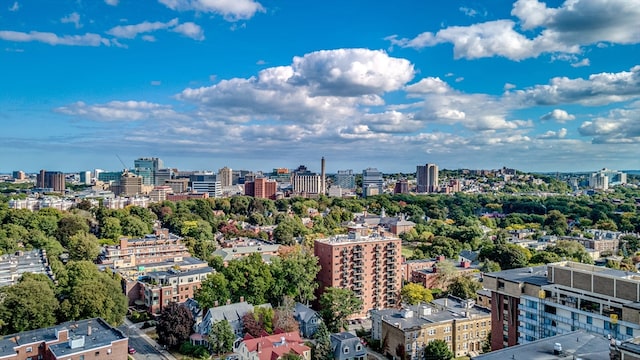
(74, 340)
(405, 333)
(368, 265)
(534, 303)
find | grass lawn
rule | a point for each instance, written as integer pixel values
(407, 250)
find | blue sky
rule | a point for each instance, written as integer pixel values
(202, 84)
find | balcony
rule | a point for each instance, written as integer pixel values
(391, 254)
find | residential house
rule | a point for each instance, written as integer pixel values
(347, 346)
(232, 313)
(308, 320)
(272, 347)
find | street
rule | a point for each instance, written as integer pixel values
(146, 348)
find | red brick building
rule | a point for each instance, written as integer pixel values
(74, 340)
(368, 265)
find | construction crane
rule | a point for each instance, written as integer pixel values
(124, 166)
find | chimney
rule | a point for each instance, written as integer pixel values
(259, 346)
(89, 328)
(241, 299)
(215, 303)
(228, 301)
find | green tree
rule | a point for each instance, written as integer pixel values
(69, 226)
(110, 228)
(337, 305)
(322, 349)
(134, 227)
(437, 350)
(29, 304)
(571, 250)
(295, 274)
(221, 337)
(556, 222)
(464, 287)
(83, 246)
(175, 325)
(215, 288)
(249, 277)
(414, 293)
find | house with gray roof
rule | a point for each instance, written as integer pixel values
(347, 346)
(232, 313)
(308, 319)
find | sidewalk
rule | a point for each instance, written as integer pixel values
(167, 355)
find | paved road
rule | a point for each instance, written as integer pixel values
(146, 348)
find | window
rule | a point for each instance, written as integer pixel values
(359, 347)
(432, 331)
(97, 353)
(589, 320)
(29, 349)
(108, 351)
(345, 350)
(630, 331)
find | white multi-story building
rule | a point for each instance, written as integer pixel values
(604, 178)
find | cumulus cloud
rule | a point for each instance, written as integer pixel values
(597, 89)
(14, 7)
(118, 111)
(560, 134)
(558, 115)
(469, 11)
(618, 126)
(350, 72)
(87, 39)
(73, 18)
(231, 10)
(190, 30)
(564, 29)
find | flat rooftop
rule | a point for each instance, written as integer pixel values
(353, 238)
(102, 334)
(536, 275)
(575, 345)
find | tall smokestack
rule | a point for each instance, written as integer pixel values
(323, 183)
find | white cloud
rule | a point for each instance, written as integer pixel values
(429, 85)
(459, 79)
(558, 115)
(190, 30)
(350, 72)
(560, 134)
(581, 63)
(14, 7)
(618, 126)
(119, 111)
(468, 11)
(509, 86)
(597, 89)
(148, 38)
(112, 2)
(87, 39)
(564, 29)
(232, 10)
(73, 18)
(131, 31)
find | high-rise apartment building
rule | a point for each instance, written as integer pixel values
(346, 179)
(604, 178)
(146, 168)
(54, 180)
(85, 177)
(225, 176)
(19, 175)
(161, 176)
(372, 182)
(534, 303)
(427, 178)
(368, 265)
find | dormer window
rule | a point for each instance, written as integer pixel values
(359, 347)
(345, 350)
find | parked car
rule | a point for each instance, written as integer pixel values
(132, 350)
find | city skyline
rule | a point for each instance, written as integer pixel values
(536, 86)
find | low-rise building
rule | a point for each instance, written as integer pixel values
(405, 333)
(159, 288)
(308, 320)
(347, 346)
(12, 266)
(154, 248)
(83, 339)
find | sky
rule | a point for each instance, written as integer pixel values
(260, 84)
